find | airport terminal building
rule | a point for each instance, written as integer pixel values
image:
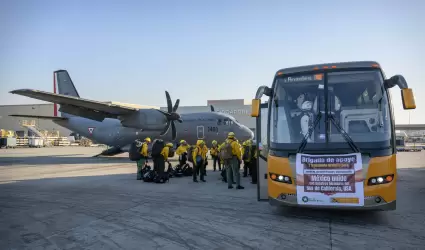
(235, 107)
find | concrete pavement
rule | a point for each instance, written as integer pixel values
(61, 198)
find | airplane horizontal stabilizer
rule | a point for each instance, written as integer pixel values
(53, 118)
(109, 110)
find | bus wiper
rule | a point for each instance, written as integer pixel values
(344, 134)
(310, 131)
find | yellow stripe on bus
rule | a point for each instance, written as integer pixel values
(345, 200)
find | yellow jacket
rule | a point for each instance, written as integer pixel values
(182, 149)
(165, 152)
(144, 150)
(236, 148)
(214, 150)
(198, 151)
(204, 152)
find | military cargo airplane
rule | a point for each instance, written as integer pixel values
(119, 125)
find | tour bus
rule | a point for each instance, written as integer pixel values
(326, 137)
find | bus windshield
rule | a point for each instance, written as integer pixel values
(356, 101)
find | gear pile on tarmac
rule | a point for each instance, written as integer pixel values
(193, 160)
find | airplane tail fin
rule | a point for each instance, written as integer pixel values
(62, 84)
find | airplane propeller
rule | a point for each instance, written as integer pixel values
(171, 116)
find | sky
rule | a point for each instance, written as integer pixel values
(132, 51)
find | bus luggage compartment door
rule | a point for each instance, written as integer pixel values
(261, 138)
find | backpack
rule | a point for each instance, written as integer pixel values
(158, 146)
(134, 151)
(190, 153)
(246, 153)
(165, 177)
(178, 171)
(226, 152)
(187, 170)
(171, 152)
(149, 176)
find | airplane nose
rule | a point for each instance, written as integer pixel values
(247, 132)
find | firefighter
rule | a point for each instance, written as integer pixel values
(182, 152)
(214, 155)
(142, 162)
(198, 161)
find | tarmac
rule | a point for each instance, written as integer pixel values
(62, 198)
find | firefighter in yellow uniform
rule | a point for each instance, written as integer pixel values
(164, 153)
(142, 162)
(198, 157)
(214, 155)
(246, 157)
(181, 151)
(204, 153)
(232, 165)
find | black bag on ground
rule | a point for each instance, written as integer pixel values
(187, 170)
(134, 151)
(157, 147)
(162, 179)
(149, 176)
(146, 169)
(178, 171)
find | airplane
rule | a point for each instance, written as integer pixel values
(120, 125)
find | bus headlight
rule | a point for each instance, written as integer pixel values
(280, 178)
(380, 180)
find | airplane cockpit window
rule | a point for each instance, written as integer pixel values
(228, 122)
(219, 122)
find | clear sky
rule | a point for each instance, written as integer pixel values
(198, 50)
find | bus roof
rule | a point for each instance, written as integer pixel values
(340, 65)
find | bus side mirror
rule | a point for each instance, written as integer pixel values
(408, 98)
(406, 94)
(255, 107)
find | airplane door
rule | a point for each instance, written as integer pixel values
(200, 132)
(261, 139)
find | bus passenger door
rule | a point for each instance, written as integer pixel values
(261, 139)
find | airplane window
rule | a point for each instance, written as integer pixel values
(219, 122)
(228, 122)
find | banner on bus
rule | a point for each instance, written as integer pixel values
(330, 180)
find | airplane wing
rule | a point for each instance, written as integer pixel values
(53, 118)
(108, 110)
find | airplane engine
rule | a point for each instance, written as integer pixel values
(155, 119)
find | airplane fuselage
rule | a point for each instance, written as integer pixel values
(208, 126)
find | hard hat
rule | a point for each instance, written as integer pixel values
(182, 141)
(147, 139)
(214, 142)
(230, 134)
(169, 145)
